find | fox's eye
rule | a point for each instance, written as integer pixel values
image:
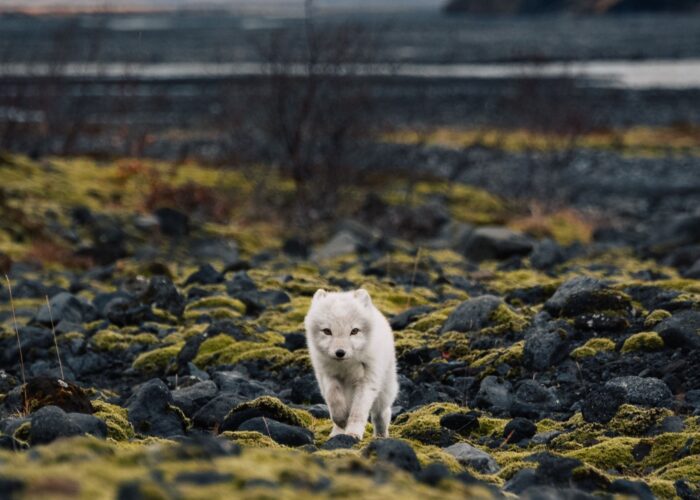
(327, 331)
(355, 331)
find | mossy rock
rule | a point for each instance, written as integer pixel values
(643, 341)
(250, 439)
(157, 360)
(611, 453)
(218, 302)
(423, 425)
(117, 419)
(632, 420)
(224, 350)
(269, 407)
(47, 391)
(107, 340)
(666, 447)
(655, 317)
(593, 347)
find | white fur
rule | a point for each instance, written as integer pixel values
(364, 382)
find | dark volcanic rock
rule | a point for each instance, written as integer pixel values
(240, 384)
(494, 242)
(50, 423)
(205, 275)
(494, 395)
(542, 349)
(647, 391)
(534, 400)
(472, 314)
(64, 306)
(288, 435)
(472, 457)
(462, 423)
(173, 222)
(602, 403)
(546, 254)
(339, 442)
(211, 414)
(394, 451)
(89, 424)
(583, 294)
(638, 489)
(518, 429)
(151, 410)
(681, 330)
(192, 398)
(162, 293)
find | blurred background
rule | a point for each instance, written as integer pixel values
(577, 107)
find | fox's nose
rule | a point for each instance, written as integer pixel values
(339, 353)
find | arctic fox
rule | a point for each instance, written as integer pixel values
(352, 351)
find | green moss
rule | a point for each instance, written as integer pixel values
(687, 468)
(107, 340)
(593, 347)
(277, 410)
(580, 435)
(643, 341)
(613, 453)
(21, 434)
(423, 425)
(157, 360)
(665, 447)
(117, 419)
(218, 302)
(250, 439)
(490, 426)
(506, 320)
(224, 350)
(632, 420)
(655, 317)
(430, 322)
(428, 454)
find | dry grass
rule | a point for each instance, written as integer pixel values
(19, 343)
(55, 341)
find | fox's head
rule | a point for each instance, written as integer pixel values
(338, 324)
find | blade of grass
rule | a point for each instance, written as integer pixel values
(55, 341)
(19, 342)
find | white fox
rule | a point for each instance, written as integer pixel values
(352, 351)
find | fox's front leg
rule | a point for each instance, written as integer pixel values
(364, 396)
(337, 405)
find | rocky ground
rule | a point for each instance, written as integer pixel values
(547, 363)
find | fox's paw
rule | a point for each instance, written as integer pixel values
(356, 431)
(336, 431)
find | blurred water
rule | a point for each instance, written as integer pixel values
(648, 74)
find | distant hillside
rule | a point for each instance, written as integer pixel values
(579, 6)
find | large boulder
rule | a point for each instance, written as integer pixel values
(681, 330)
(152, 410)
(473, 314)
(494, 242)
(475, 458)
(192, 398)
(394, 451)
(495, 395)
(648, 391)
(64, 307)
(285, 434)
(542, 349)
(582, 295)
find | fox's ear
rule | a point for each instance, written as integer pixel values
(320, 293)
(362, 295)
